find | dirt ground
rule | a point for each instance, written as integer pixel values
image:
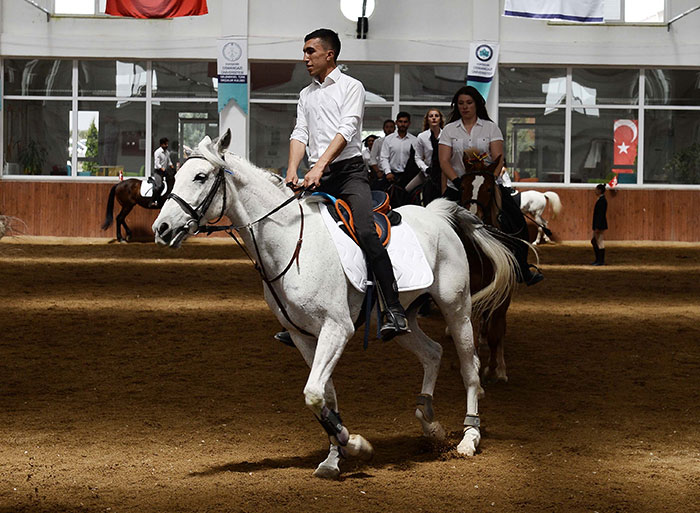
(137, 378)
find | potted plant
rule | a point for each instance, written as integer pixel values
(32, 156)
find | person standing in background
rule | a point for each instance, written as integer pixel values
(427, 154)
(600, 224)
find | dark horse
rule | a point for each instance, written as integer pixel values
(128, 194)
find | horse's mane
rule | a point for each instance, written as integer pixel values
(206, 150)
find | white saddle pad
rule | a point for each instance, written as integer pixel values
(411, 268)
(146, 188)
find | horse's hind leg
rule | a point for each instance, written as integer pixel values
(429, 353)
(540, 231)
(121, 220)
(495, 335)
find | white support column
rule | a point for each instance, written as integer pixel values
(2, 120)
(567, 129)
(640, 127)
(148, 170)
(486, 26)
(234, 23)
(75, 117)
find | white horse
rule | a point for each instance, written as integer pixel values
(533, 203)
(315, 301)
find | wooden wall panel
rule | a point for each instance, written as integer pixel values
(77, 209)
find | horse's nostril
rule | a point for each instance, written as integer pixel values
(163, 228)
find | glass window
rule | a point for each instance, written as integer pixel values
(112, 78)
(649, 11)
(184, 79)
(378, 80)
(672, 87)
(270, 128)
(37, 135)
(534, 143)
(672, 146)
(374, 120)
(38, 77)
(184, 124)
(605, 86)
(283, 81)
(431, 83)
(121, 138)
(604, 144)
(532, 85)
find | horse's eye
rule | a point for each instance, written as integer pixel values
(200, 177)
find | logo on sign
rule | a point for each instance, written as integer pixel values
(484, 52)
(232, 51)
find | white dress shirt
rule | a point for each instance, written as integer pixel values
(455, 136)
(326, 109)
(376, 151)
(161, 159)
(395, 152)
(424, 150)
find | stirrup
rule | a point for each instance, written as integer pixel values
(535, 277)
(395, 323)
(284, 337)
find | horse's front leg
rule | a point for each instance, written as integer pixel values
(329, 348)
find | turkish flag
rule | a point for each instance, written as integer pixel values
(156, 8)
(613, 182)
(625, 134)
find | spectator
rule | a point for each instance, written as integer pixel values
(398, 149)
(378, 177)
(427, 154)
(600, 224)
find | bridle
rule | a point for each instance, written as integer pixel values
(193, 227)
(485, 208)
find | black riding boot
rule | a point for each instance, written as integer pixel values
(601, 257)
(596, 249)
(394, 316)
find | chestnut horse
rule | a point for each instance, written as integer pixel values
(128, 194)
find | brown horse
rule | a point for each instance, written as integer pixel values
(482, 196)
(128, 194)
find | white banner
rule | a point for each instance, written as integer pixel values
(580, 11)
(232, 60)
(483, 60)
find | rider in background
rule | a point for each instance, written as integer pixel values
(469, 126)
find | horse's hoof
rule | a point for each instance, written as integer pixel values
(436, 432)
(359, 447)
(327, 472)
(468, 445)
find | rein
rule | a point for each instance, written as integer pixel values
(196, 214)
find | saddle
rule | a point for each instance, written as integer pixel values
(384, 216)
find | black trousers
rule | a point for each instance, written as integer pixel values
(348, 181)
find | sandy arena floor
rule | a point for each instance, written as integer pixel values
(137, 378)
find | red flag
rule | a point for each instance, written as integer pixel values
(625, 136)
(613, 182)
(156, 8)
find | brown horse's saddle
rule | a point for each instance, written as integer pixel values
(384, 216)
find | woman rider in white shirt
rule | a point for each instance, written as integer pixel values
(470, 127)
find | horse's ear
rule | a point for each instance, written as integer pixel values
(495, 165)
(223, 142)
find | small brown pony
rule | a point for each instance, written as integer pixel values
(128, 194)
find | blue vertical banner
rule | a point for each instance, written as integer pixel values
(232, 70)
(483, 59)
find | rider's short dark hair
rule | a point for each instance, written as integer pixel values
(403, 114)
(163, 140)
(329, 38)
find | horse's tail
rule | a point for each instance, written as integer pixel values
(472, 230)
(109, 216)
(553, 198)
